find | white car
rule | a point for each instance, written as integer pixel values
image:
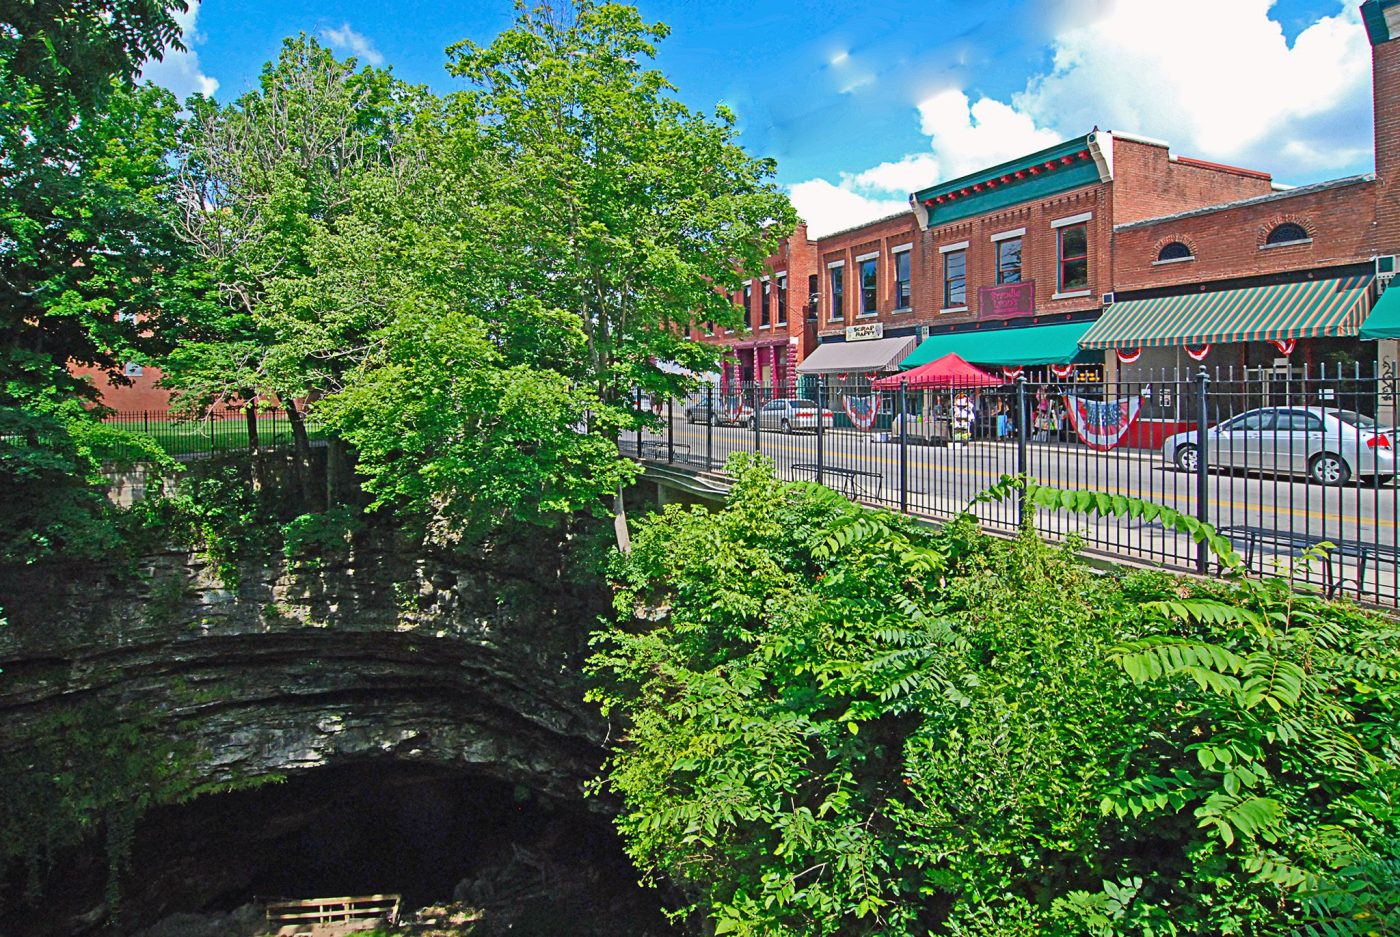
(1329, 446)
(789, 414)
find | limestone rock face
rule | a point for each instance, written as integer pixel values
(378, 651)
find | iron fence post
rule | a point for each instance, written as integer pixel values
(903, 448)
(670, 429)
(757, 445)
(821, 422)
(1022, 448)
(709, 426)
(639, 422)
(1202, 464)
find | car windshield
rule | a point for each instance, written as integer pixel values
(1359, 420)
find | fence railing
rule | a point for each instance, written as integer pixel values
(1280, 460)
(218, 430)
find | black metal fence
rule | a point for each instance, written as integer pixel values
(1280, 460)
(187, 436)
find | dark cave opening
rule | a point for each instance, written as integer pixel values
(431, 834)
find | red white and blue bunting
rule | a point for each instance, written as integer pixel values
(861, 411)
(1129, 355)
(1197, 354)
(1285, 347)
(1063, 371)
(730, 409)
(1101, 424)
(1012, 374)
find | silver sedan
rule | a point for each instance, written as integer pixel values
(1329, 446)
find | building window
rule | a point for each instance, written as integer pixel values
(901, 280)
(838, 293)
(1287, 233)
(1074, 257)
(764, 314)
(954, 279)
(782, 300)
(813, 294)
(1009, 261)
(748, 305)
(1174, 251)
(869, 294)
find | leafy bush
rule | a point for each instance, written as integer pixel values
(840, 723)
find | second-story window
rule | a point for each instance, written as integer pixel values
(901, 280)
(748, 305)
(1009, 261)
(813, 291)
(954, 279)
(782, 300)
(1074, 257)
(838, 293)
(764, 314)
(869, 292)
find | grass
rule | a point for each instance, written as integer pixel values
(208, 436)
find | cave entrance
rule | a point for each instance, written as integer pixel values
(521, 863)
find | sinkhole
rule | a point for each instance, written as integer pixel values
(524, 864)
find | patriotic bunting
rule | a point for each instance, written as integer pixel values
(1197, 354)
(1129, 355)
(1101, 424)
(1063, 371)
(1012, 374)
(861, 411)
(1285, 347)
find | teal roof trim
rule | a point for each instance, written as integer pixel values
(949, 205)
(1373, 15)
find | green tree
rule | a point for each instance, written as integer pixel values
(833, 722)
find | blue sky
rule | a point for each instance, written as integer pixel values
(861, 103)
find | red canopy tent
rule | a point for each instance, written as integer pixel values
(947, 373)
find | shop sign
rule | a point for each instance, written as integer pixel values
(1006, 301)
(865, 331)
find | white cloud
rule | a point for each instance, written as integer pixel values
(180, 71)
(1217, 80)
(346, 39)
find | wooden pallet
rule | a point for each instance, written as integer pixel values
(322, 917)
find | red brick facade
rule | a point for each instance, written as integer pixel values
(1385, 71)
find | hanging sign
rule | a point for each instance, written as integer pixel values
(1285, 347)
(1129, 355)
(1101, 424)
(1197, 354)
(865, 331)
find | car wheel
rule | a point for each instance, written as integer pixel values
(1188, 458)
(1328, 468)
(787, 427)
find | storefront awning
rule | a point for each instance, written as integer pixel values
(881, 354)
(1384, 320)
(1011, 348)
(1331, 308)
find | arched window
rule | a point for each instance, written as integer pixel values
(1287, 233)
(1174, 251)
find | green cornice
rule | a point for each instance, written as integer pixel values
(1059, 168)
(1374, 13)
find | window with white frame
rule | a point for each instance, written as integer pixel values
(954, 278)
(838, 292)
(901, 279)
(782, 300)
(869, 286)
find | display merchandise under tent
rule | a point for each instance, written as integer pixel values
(941, 399)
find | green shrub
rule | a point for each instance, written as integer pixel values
(839, 723)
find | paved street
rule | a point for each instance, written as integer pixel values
(940, 481)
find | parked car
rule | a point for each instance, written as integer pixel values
(788, 414)
(698, 411)
(1329, 446)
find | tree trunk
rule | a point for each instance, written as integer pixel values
(250, 413)
(301, 447)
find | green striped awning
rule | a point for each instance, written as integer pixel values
(1316, 308)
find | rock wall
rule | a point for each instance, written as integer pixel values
(380, 650)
